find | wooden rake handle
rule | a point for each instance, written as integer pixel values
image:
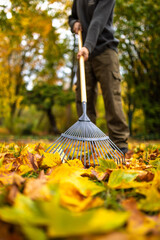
(82, 71)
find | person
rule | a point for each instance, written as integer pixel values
(95, 19)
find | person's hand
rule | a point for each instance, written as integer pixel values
(76, 27)
(83, 52)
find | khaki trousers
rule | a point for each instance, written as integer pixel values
(105, 69)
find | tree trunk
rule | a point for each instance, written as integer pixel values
(73, 72)
(130, 117)
(52, 121)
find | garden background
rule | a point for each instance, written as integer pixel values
(41, 197)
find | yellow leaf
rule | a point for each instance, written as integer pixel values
(51, 160)
(85, 186)
(72, 198)
(64, 172)
(152, 201)
(6, 167)
(75, 163)
(6, 178)
(142, 146)
(24, 169)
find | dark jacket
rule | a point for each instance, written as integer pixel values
(96, 18)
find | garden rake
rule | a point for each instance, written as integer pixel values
(84, 140)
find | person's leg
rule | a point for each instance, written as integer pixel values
(106, 69)
(91, 88)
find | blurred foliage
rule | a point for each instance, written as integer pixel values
(30, 49)
(34, 56)
(138, 28)
(44, 96)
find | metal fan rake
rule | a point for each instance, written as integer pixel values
(84, 140)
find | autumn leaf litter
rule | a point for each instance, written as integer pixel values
(38, 192)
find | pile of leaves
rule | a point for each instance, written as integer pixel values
(43, 198)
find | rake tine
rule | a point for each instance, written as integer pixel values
(66, 141)
(97, 149)
(100, 149)
(104, 150)
(115, 153)
(113, 145)
(85, 154)
(95, 152)
(88, 152)
(104, 144)
(92, 153)
(109, 156)
(58, 144)
(89, 155)
(53, 144)
(81, 150)
(74, 150)
(63, 150)
(122, 154)
(78, 149)
(70, 147)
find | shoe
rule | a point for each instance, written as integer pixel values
(124, 150)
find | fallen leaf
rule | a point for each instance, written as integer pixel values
(51, 160)
(120, 178)
(138, 222)
(32, 161)
(37, 189)
(74, 200)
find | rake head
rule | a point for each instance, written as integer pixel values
(84, 140)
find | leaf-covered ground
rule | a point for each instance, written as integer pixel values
(42, 198)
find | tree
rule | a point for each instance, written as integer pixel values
(138, 27)
(44, 96)
(30, 48)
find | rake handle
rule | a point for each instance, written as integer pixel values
(82, 71)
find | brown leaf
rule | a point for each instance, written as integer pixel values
(12, 193)
(39, 147)
(152, 156)
(18, 180)
(38, 159)
(102, 176)
(8, 232)
(32, 161)
(138, 221)
(13, 189)
(156, 151)
(145, 176)
(36, 189)
(129, 154)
